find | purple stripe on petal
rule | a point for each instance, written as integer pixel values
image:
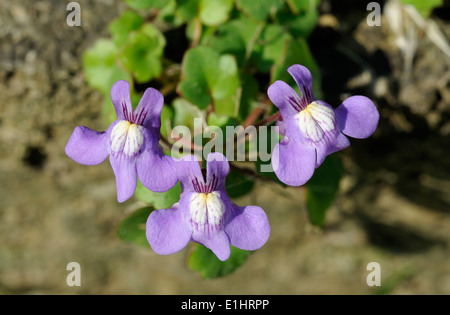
(249, 228)
(357, 117)
(212, 237)
(120, 97)
(217, 168)
(148, 111)
(189, 174)
(87, 146)
(285, 98)
(303, 78)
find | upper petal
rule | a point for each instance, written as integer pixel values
(357, 117)
(148, 111)
(120, 97)
(303, 78)
(249, 228)
(87, 146)
(217, 169)
(167, 231)
(285, 98)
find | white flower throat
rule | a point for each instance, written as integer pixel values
(127, 138)
(315, 121)
(206, 210)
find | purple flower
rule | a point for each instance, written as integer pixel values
(312, 129)
(206, 215)
(132, 143)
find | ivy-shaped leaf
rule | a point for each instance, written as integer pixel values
(163, 200)
(100, 66)
(204, 261)
(259, 9)
(208, 77)
(321, 189)
(215, 12)
(121, 28)
(142, 54)
(132, 228)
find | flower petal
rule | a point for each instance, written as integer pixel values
(357, 117)
(212, 237)
(249, 228)
(167, 232)
(126, 178)
(87, 146)
(335, 142)
(120, 97)
(157, 171)
(148, 111)
(188, 170)
(217, 169)
(293, 161)
(219, 244)
(303, 78)
(285, 98)
(341, 142)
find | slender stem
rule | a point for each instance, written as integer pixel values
(197, 32)
(249, 172)
(251, 118)
(268, 120)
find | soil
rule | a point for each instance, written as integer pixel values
(393, 206)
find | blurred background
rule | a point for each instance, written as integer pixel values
(393, 205)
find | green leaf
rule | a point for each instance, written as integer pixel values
(163, 200)
(185, 113)
(121, 28)
(100, 68)
(198, 64)
(187, 9)
(424, 7)
(215, 12)
(271, 47)
(224, 88)
(132, 228)
(264, 162)
(238, 184)
(147, 4)
(142, 54)
(207, 77)
(322, 188)
(204, 261)
(259, 9)
(233, 38)
(166, 120)
(249, 96)
(299, 17)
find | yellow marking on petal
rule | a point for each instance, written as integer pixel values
(206, 209)
(316, 120)
(127, 138)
